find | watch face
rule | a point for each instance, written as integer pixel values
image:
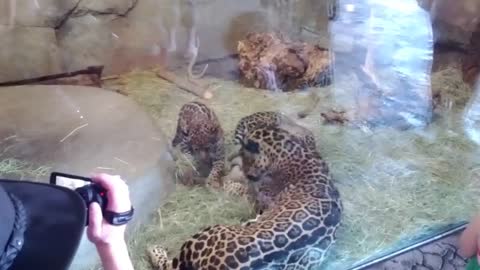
(119, 218)
(122, 220)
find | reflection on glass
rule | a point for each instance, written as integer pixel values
(389, 49)
(400, 137)
(472, 116)
(397, 179)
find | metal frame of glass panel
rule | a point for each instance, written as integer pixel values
(421, 241)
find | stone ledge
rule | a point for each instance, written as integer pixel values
(120, 138)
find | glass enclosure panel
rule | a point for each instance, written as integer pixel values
(158, 91)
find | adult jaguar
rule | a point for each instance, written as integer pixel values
(272, 119)
(260, 192)
(199, 134)
(295, 230)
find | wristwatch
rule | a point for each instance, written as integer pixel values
(118, 219)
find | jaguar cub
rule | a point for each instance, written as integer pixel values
(199, 135)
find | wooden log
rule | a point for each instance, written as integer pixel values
(91, 76)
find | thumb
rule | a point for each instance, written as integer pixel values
(95, 220)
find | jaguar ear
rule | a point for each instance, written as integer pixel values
(252, 147)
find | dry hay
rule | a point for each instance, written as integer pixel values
(394, 184)
(12, 168)
(452, 90)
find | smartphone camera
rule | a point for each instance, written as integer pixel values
(88, 190)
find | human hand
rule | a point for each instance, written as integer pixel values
(99, 231)
(469, 241)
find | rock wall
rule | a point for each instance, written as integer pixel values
(27, 52)
(52, 36)
(453, 20)
(456, 27)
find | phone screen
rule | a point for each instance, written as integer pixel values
(69, 181)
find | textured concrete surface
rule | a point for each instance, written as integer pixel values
(439, 255)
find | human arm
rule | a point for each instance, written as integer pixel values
(109, 239)
(468, 242)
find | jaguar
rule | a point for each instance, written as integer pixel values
(295, 230)
(199, 135)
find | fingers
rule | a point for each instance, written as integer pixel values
(95, 220)
(117, 192)
(107, 181)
